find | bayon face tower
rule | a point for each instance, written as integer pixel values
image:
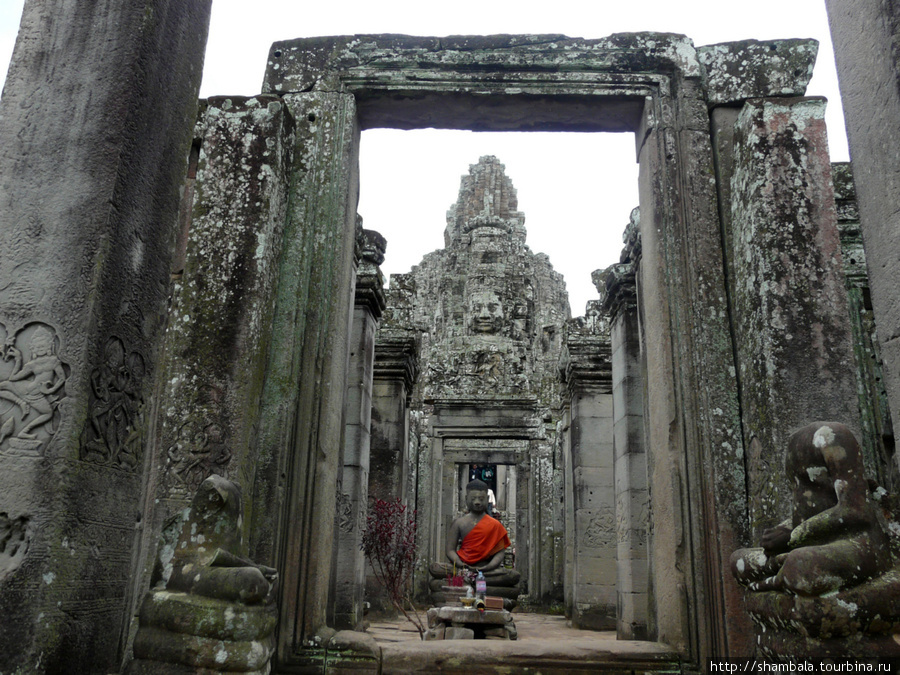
(491, 311)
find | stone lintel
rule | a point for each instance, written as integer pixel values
(442, 81)
(588, 363)
(397, 357)
(484, 402)
(736, 71)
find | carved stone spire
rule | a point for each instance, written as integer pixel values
(487, 201)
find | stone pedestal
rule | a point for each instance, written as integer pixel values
(461, 623)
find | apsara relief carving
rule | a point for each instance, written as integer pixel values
(32, 385)
(113, 435)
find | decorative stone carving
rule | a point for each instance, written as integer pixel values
(823, 583)
(199, 451)
(15, 536)
(113, 436)
(211, 607)
(601, 530)
(345, 512)
(32, 385)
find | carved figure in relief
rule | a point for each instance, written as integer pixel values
(833, 539)
(198, 453)
(33, 384)
(114, 432)
(485, 312)
(489, 366)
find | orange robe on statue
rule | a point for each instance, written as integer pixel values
(484, 540)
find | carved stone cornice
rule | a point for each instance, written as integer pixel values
(370, 292)
(587, 363)
(397, 357)
(369, 279)
(621, 290)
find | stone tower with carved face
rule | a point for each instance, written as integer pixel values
(492, 312)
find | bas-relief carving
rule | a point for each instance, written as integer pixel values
(345, 512)
(485, 316)
(601, 530)
(15, 537)
(32, 387)
(635, 524)
(113, 435)
(199, 451)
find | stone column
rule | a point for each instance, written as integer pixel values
(302, 401)
(865, 35)
(589, 385)
(793, 340)
(396, 369)
(352, 501)
(96, 121)
(632, 498)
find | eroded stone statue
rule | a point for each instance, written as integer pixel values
(211, 607)
(823, 580)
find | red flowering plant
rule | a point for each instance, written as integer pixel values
(389, 544)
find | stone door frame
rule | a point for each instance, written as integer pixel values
(647, 84)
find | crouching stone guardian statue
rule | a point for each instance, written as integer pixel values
(823, 583)
(210, 608)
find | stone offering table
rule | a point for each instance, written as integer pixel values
(462, 623)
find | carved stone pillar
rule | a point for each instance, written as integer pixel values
(396, 369)
(590, 454)
(96, 121)
(352, 498)
(632, 498)
(793, 340)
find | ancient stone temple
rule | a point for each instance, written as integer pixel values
(203, 379)
(491, 316)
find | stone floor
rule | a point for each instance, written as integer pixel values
(530, 627)
(546, 645)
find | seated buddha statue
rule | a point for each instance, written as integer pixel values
(477, 541)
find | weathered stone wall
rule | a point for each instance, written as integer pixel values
(96, 122)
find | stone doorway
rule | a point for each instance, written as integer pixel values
(660, 88)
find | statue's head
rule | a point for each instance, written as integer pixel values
(477, 496)
(485, 312)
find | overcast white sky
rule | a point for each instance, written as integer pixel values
(576, 190)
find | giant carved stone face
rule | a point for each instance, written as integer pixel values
(485, 312)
